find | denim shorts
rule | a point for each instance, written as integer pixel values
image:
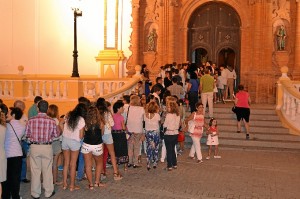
(70, 144)
(107, 139)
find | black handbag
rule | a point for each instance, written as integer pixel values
(24, 154)
(233, 109)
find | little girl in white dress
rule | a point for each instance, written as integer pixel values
(212, 138)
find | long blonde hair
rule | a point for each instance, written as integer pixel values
(173, 107)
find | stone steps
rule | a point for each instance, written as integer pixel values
(266, 131)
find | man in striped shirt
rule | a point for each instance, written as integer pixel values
(40, 131)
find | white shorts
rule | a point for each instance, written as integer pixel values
(96, 150)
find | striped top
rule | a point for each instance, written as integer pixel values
(41, 129)
(12, 145)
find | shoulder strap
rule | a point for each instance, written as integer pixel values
(127, 116)
(15, 133)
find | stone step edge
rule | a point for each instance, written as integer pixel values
(234, 125)
(262, 140)
(246, 148)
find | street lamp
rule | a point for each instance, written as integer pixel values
(77, 13)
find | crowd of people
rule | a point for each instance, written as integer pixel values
(94, 133)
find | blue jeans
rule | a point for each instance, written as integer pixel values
(24, 163)
(80, 168)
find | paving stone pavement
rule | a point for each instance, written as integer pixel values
(239, 174)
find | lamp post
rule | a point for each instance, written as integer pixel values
(77, 13)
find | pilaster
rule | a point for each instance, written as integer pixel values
(296, 71)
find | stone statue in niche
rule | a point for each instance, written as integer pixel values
(152, 40)
(281, 36)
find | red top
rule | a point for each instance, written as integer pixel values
(242, 101)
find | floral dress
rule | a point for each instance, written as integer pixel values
(199, 123)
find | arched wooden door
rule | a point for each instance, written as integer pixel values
(215, 28)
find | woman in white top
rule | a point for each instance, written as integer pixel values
(171, 126)
(152, 119)
(135, 116)
(3, 160)
(72, 134)
(13, 150)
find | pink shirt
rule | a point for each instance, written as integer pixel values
(118, 119)
(242, 101)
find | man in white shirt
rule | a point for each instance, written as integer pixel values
(231, 76)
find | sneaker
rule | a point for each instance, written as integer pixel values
(208, 157)
(199, 161)
(217, 156)
(103, 176)
(60, 167)
(247, 136)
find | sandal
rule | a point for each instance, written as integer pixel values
(99, 184)
(91, 187)
(117, 176)
(58, 183)
(74, 188)
(65, 187)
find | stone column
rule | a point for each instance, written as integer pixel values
(160, 48)
(297, 39)
(171, 56)
(257, 45)
(135, 33)
(268, 39)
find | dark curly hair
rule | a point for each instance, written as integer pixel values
(73, 116)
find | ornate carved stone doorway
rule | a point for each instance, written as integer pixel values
(214, 34)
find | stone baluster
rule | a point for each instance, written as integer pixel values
(57, 94)
(288, 105)
(101, 88)
(44, 95)
(6, 89)
(65, 94)
(110, 87)
(12, 89)
(298, 106)
(284, 100)
(51, 95)
(30, 89)
(120, 84)
(293, 108)
(85, 90)
(37, 88)
(1, 89)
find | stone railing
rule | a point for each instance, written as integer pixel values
(62, 88)
(288, 102)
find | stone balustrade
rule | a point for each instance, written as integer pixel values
(65, 89)
(288, 102)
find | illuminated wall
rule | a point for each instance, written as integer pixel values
(38, 34)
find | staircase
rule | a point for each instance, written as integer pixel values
(266, 131)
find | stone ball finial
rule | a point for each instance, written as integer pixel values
(284, 69)
(138, 69)
(20, 69)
